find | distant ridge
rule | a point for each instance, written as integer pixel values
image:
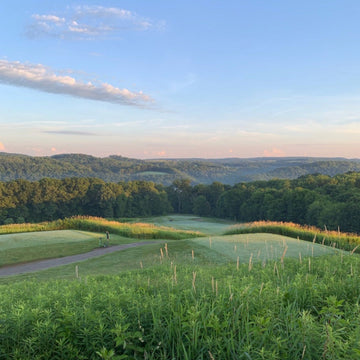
(117, 168)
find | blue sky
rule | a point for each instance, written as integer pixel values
(151, 79)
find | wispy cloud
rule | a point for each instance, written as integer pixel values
(89, 22)
(48, 19)
(44, 79)
(69, 132)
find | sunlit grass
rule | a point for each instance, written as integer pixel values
(96, 224)
(262, 247)
(335, 239)
(29, 242)
(209, 226)
(26, 247)
(208, 252)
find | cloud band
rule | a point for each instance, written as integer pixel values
(41, 78)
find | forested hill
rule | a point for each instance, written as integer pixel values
(313, 200)
(165, 171)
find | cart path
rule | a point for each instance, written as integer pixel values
(33, 266)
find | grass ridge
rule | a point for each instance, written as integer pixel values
(97, 224)
(337, 239)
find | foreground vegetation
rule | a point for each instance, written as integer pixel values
(289, 310)
(242, 296)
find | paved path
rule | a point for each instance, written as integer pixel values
(46, 264)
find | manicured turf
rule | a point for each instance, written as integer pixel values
(219, 250)
(25, 247)
(23, 240)
(111, 264)
(205, 225)
(207, 251)
(262, 247)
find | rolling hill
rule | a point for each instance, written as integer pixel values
(117, 168)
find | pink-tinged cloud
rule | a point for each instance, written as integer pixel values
(274, 152)
(41, 78)
(2, 146)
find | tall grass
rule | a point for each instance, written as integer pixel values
(28, 227)
(176, 311)
(335, 239)
(96, 224)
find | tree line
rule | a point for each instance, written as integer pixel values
(50, 199)
(318, 200)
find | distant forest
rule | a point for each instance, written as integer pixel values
(318, 200)
(200, 171)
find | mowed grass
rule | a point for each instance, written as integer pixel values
(262, 247)
(26, 247)
(208, 226)
(204, 252)
(143, 257)
(96, 224)
(20, 244)
(25, 240)
(344, 241)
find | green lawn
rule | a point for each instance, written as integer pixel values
(31, 239)
(208, 226)
(30, 246)
(206, 252)
(262, 247)
(25, 247)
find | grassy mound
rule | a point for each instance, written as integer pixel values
(137, 230)
(208, 226)
(29, 242)
(96, 224)
(349, 242)
(211, 251)
(26, 247)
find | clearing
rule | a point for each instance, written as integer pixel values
(208, 226)
(215, 249)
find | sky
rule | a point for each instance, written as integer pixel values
(180, 79)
